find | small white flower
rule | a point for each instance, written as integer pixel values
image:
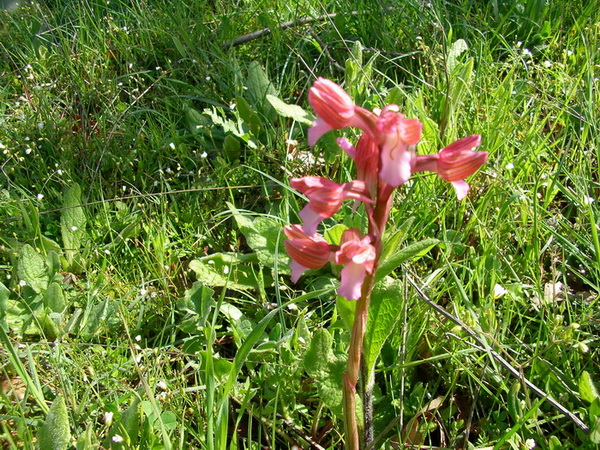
(40, 125)
(59, 172)
(22, 283)
(226, 270)
(207, 78)
(509, 166)
(157, 67)
(527, 52)
(40, 196)
(172, 145)
(162, 385)
(138, 338)
(28, 150)
(143, 292)
(519, 44)
(107, 252)
(124, 188)
(499, 291)
(547, 64)
(116, 438)
(570, 52)
(74, 228)
(108, 417)
(588, 200)
(530, 444)
(203, 155)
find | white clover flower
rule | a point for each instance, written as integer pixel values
(108, 417)
(499, 291)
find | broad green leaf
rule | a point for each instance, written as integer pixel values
(53, 262)
(595, 430)
(31, 269)
(4, 294)
(587, 389)
(249, 116)
(346, 309)
(54, 298)
(334, 234)
(384, 312)
(198, 302)
(264, 236)
(412, 251)
(295, 112)
(72, 223)
(169, 420)
(227, 269)
(456, 49)
(327, 369)
(55, 433)
(196, 121)
(241, 326)
(259, 86)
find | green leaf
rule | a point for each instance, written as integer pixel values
(346, 309)
(227, 269)
(334, 234)
(265, 236)
(587, 389)
(169, 420)
(197, 302)
(595, 430)
(384, 311)
(249, 116)
(295, 112)
(456, 49)
(72, 223)
(54, 298)
(259, 86)
(55, 433)
(412, 251)
(327, 369)
(4, 294)
(393, 242)
(31, 269)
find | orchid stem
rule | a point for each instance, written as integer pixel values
(353, 441)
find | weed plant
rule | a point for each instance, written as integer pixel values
(145, 299)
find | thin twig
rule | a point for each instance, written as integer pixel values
(503, 362)
(285, 25)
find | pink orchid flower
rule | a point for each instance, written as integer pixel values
(335, 110)
(358, 256)
(454, 163)
(325, 198)
(307, 252)
(398, 137)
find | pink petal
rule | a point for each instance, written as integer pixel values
(352, 277)
(318, 129)
(461, 188)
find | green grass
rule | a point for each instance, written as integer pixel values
(151, 294)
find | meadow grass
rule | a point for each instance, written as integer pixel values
(144, 176)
